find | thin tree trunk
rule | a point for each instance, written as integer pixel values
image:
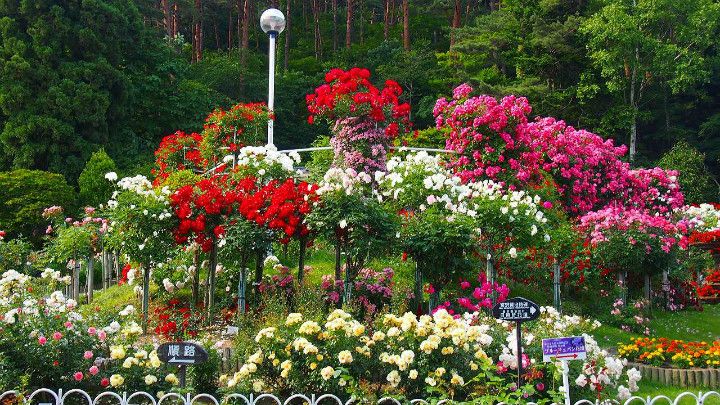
(317, 33)
(211, 280)
(240, 11)
(197, 32)
(217, 35)
(361, 21)
(167, 18)
(338, 270)
(386, 21)
(196, 278)
(245, 40)
(90, 279)
(175, 22)
(287, 34)
(348, 24)
(406, 24)
(633, 106)
(305, 13)
(259, 265)
(334, 24)
(455, 21)
(301, 260)
(230, 27)
(145, 298)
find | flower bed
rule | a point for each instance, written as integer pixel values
(663, 352)
(440, 356)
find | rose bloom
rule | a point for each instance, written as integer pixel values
(88, 355)
(42, 340)
(93, 370)
(78, 376)
(57, 336)
(91, 331)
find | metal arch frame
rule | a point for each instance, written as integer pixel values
(319, 148)
(315, 399)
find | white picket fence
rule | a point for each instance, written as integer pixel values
(46, 396)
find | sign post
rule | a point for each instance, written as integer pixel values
(564, 349)
(517, 310)
(182, 354)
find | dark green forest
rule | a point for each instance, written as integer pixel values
(78, 76)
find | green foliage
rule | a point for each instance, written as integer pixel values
(695, 180)
(360, 226)
(14, 254)
(440, 247)
(204, 376)
(95, 189)
(24, 194)
(76, 76)
(320, 160)
(181, 178)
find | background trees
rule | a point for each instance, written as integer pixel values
(121, 74)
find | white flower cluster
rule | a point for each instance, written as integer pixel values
(703, 218)
(55, 275)
(263, 158)
(11, 283)
(171, 287)
(422, 178)
(601, 369)
(348, 181)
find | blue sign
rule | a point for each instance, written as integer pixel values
(564, 348)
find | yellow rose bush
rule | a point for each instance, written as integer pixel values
(403, 356)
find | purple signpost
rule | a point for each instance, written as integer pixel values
(564, 349)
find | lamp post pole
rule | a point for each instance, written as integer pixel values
(272, 22)
(271, 86)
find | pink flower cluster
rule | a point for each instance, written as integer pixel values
(360, 144)
(480, 297)
(484, 133)
(661, 229)
(496, 140)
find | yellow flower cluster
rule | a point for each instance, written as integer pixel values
(442, 350)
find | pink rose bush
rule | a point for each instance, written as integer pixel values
(497, 140)
(632, 239)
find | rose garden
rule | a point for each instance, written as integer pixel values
(369, 269)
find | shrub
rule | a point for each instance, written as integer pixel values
(695, 180)
(95, 189)
(24, 194)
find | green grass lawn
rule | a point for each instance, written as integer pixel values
(652, 389)
(684, 325)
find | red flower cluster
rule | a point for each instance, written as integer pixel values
(124, 274)
(709, 287)
(281, 206)
(176, 322)
(704, 237)
(201, 207)
(178, 151)
(351, 94)
(239, 126)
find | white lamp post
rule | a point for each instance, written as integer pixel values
(272, 22)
